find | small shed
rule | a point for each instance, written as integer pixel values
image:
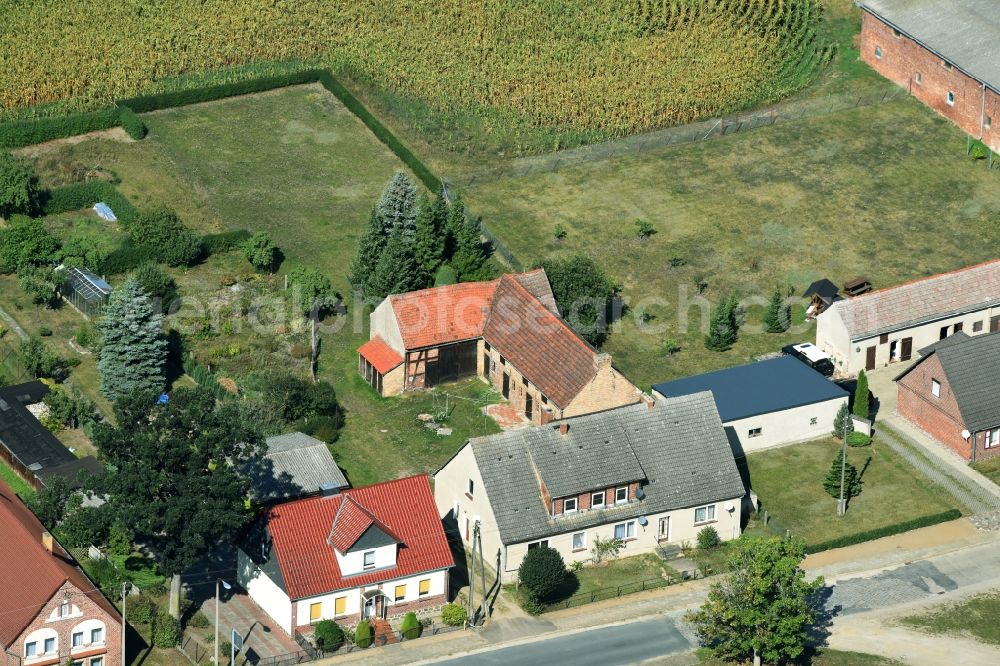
(86, 291)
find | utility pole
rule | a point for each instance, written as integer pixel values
(472, 576)
(124, 623)
(842, 503)
(482, 571)
(314, 338)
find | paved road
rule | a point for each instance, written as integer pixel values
(609, 646)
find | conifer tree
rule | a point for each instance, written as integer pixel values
(134, 348)
(776, 317)
(852, 482)
(454, 226)
(396, 208)
(370, 248)
(439, 209)
(724, 324)
(428, 243)
(861, 405)
(470, 258)
(396, 271)
(842, 423)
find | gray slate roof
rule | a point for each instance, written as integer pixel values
(973, 371)
(954, 338)
(678, 448)
(295, 465)
(964, 32)
(921, 301)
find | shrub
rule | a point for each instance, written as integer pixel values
(77, 196)
(363, 634)
(88, 337)
(18, 185)
(560, 232)
(454, 615)
(141, 609)
(170, 241)
(166, 100)
(542, 571)
(25, 241)
(329, 635)
(198, 620)
(132, 124)
(157, 283)
(708, 538)
(225, 241)
(605, 548)
(314, 290)
(44, 331)
(166, 630)
(644, 229)
(410, 627)
(105, 576)
(530, 603)
(858, 439)
(887, 530)
(261, 252)
(40, 361)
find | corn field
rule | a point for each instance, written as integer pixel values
(617, 66)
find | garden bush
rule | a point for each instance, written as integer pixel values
(454, 615)
(169, 240)
(858, 439)
(363, 634)
(198, 620)
(77, 196)
(166, 630)
(530, 603)
(104, 575)
(708, 538)
(169, 100)
(141, 609)
(329, 636)
(411, 627)
(132, 124)
(225, 241)
(542, 571)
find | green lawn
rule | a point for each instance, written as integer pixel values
(16, 483)
(976, 617)
(989, 468)
(789, 482)
(831, 196)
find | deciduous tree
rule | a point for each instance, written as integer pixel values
(18, 186)
(584, 294)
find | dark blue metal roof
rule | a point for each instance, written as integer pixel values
(758, 388)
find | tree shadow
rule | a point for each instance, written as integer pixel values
(819, 632)
(569, 587)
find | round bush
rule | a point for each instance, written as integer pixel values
(454, 615)
(542, 571)
(411, 627)
(141, 610)
(708, 538)
(329, 635)
(166, 630)
(198, 620)
(363, 634)
(858, 439)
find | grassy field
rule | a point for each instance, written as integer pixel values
(16, 483)
(975, 617)
(789, 482)
(832, 196)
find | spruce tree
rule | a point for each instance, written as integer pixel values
(723, 325)
(861, 405)
(439, 209)
(428, 243)
(396, 271)
(397, 207)
(776, 317)
(852, 482)
(470, 258)
(842, 422)
(454, 226)
(134, 348)
(370, 248)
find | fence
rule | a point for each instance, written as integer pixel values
(690, 133)
(613, 592)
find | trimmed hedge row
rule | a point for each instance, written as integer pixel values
(888, 530)
(38, 130)
(132, 123)
(167, 100)
(225, 241)
(77, 196)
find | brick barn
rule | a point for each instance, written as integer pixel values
(946, 53)
(953, 394)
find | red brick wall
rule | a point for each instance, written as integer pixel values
(583, 500)
(939, 417)
(901, 60)
(111, 651)
(393, 611)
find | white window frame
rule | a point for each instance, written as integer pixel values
(583, 541)
(918, 78)
(31, 649)
(627, 528)
(707, 517)
(755, 432)
(663, 534)
(99, 631)
(618, 491)
(541, 543)
(73, 640)
(55, 645)
(950, 98)
(567, 501)
(878, 52)
(935, 388)
(97, 661)
(602, 495)
(364, 560)
(992, 438)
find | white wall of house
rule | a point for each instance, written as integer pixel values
(850, 357)
(451, 486)
(797, 424)
(354, 562)
(383, 321)
(352, 597)
(265, 592)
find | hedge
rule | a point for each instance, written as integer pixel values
(126, 257)
(225, 241)
(888, 530)
(132, 123)
(38, 130)
(146, 103)
(78, 196)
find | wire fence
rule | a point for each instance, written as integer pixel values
(686, 134)
(613, 592)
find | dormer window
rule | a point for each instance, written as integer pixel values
(369, 559)
(621, 495)
(597, 500)
(569, 505)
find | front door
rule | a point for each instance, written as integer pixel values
(870, 359)
(663, 531)
(506, 386)
(369, 609)
(906, 349)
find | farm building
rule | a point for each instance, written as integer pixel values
(886, 326)
(768, 403)
(86, 291)
(946, 53)
(295, 465)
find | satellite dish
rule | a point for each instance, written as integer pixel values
(966, 434)
(730, 507)
(643, 521)
(640, 493)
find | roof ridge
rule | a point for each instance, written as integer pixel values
(583, 343)
(883, 290)
(440, 289)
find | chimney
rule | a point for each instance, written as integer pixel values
(47, 541)
(563, 428)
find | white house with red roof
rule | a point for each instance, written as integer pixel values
(508, 332)
(373, 552)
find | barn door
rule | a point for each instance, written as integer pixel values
(870, 359)
(906, 349)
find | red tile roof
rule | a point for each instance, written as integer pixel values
(352, 521)
(382, 357)
(540, 345)
(439, 315)
(405, 507)
(29, 574)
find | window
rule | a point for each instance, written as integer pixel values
(30, 649)
(944, 333)
(486, 346)
(315, 612)
(597, 499)
(814, 420)
(992, 438)
(878, 52)
(470, 488)
(424, 587)
(703, 514)
(988, 122)
(621, 495)
(50, 646)
(896, 33)
(78, 662)
(884, 338)
(663, 528)
(544, 543)
(97, 635)
(370, 559)
(97, 661)
(918, 78)
(64, 609)
(579, 541)
(947, 65)
(935, 388)
(951, 98)
(625, 530)
(400, 593)
(957, 327)
(569, 505)
(545, 400)
(754, 432)
(340, 605)
(977, 326)
(78, 639)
